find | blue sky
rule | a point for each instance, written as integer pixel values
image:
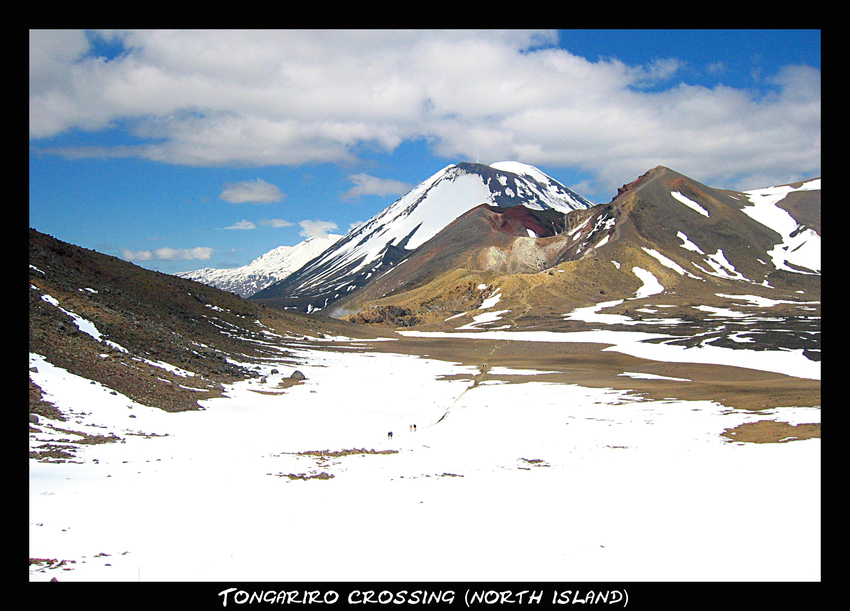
(179, 150)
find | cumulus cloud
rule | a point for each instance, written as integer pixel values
(251, 192)
(371, 185)
(316, 229)
(269, 97)
(200, 253)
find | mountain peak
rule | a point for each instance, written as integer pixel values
(390, 236)
(656, 173)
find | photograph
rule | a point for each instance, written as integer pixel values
(450, 317)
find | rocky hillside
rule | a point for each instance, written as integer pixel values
(161, 340)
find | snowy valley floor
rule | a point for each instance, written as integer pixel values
(510, 475)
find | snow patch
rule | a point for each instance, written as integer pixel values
(667, 262)
(725, 312)
(764, 301)
(690, 203)
(722, 268)
(788, 362)
(486, 317)
(83, 325)
(491, 301)
(591, 314)
(651, 286)
(687, 244)
(651, 376)
(800, 246)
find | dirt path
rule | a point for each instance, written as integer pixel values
(483, 369)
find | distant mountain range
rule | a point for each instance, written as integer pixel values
(265, 270)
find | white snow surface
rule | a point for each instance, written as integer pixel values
(800, 245)
(592, 314)
(690, 203)
(650, 286)
(545, 187)
(499, 482)
(491, 300)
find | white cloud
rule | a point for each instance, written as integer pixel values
(716, 67)
(371, 185)
(200, 253)
(251, 192)
(139, 255)
(275, 223)
(243, 224)
(270, 97)
(311, 229)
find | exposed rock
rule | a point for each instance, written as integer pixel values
(391, 315)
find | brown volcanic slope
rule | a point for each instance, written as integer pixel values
(475, 241)
(154, 317)
(589, 257)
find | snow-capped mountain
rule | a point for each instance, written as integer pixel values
(389, 237)
(265, 270)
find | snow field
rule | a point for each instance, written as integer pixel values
(528, 481)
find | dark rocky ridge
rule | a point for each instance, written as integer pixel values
(155, 317)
